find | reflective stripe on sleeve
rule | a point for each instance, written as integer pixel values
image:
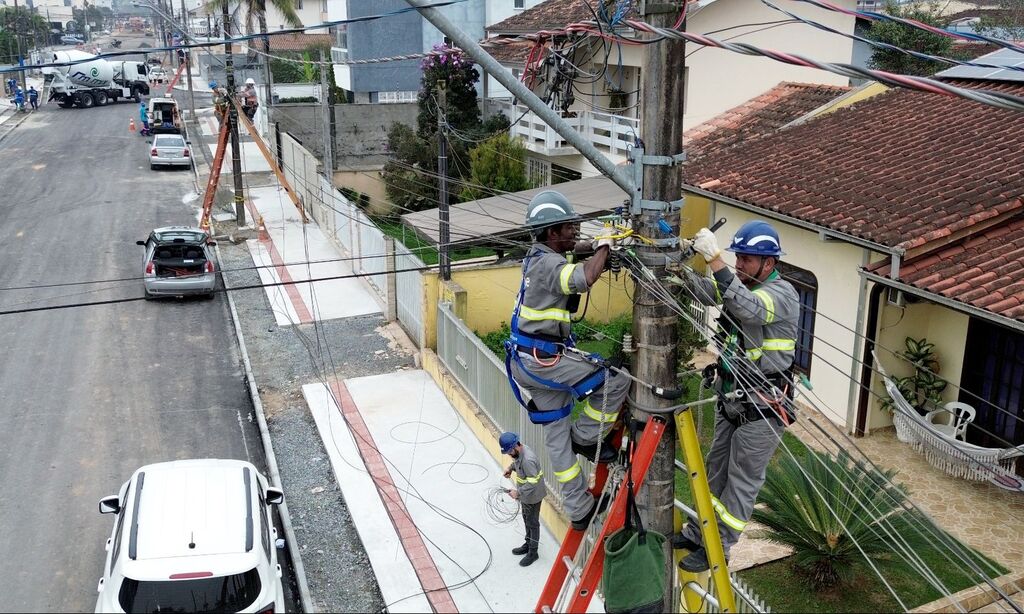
(595, 414)
(727, 518)
(559, 315)
(566, 276)
(754, 354)
(528, 479)
(769, 305)
(778, 345)
(568, 474)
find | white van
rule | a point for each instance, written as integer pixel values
(192, 536)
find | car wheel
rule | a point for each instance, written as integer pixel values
(152, 166)
(146, 295)
(85, 100)
(209, 296)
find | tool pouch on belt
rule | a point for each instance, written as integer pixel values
(634, 575)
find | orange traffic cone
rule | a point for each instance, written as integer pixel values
(263, 234)
(131, 125)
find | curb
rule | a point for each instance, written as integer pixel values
(14, 123)
(305, 599)
(974, 597)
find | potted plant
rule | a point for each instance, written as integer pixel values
(923, 389)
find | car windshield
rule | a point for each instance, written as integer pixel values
(217, 594)
(168, 140)
(187, 236)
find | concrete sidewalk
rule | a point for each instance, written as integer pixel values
(292, 241)
(415, 478)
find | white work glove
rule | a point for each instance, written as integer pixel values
(705, 244)
(604, 241)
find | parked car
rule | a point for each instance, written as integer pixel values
(192, 536)
(178, 262)
(169, 150)
(69, 39)
(157, 75)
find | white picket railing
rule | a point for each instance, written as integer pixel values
(614, 134)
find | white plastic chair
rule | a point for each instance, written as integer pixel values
(952, 419)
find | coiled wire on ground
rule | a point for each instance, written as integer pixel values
(501, 508)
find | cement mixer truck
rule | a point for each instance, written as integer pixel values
(94, 81)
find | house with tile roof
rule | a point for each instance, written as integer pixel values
(606, 105)
(911, 226)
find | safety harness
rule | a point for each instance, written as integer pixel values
(520, 341)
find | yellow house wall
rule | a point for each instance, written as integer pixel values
(491, 295)
(944, 327)
(366, 181)
(835, 265)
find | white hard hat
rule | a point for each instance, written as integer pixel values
(250, 81)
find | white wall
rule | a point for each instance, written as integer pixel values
(310, 14)
(720, 79)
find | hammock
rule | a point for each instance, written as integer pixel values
(957, 458)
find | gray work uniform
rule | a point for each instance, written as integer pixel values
(550, 280)
(759, 327)
(529, 481)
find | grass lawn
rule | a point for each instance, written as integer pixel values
(785, 589)
(425, 250)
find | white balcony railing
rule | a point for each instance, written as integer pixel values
(613, 134)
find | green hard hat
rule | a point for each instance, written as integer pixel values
(549, 208)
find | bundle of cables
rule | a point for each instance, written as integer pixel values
(501, 508)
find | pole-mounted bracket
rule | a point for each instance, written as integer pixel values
(675, 160)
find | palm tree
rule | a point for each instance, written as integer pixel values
(824, 507)
(256, 14)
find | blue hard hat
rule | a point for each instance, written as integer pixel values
(507, 441)
(213, 85)
(756, 238)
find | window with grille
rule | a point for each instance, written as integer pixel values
(519, 4)
(538, 172)
(806, 285)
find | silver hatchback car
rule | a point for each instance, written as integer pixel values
(169, 150)
(178, 262)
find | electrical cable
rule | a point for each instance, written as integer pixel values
(501, 508)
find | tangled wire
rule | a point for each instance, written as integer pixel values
(501, 508)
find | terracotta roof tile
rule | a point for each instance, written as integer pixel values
(934, 166)
(299, 42)
(985, 271)
(549, 15)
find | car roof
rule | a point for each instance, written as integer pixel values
(193, 508)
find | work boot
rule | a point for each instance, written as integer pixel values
(681, 542)
(587, 451)
(581, 524)
(697, 561)
(521, 550)
(528, 560)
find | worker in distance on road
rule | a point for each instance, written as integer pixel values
(538, 364)
(757, 330)
(530, 491)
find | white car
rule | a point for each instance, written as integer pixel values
(192, 536)
(169, 150)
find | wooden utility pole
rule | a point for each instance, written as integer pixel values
(17, 40)
(325, 110)
(236, 159)
(654, 322)
(444, 229)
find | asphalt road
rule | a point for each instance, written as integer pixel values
(89, 394)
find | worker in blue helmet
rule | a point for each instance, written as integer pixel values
(530, 491)
(757, 331)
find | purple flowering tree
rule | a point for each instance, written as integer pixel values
(457, 70)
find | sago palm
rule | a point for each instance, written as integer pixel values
(824, 507)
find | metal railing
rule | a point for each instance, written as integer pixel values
(612, 133)
(483, 377)
(409, 293)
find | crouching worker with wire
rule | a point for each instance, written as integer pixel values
(541, 358)
(530, 492)
(756, 342)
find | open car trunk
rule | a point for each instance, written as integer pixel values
(179, 260)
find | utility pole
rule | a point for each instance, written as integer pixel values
(444, 230)
(186, 31)
(654, 322)
(17, 39)
(236, 159)
(325, 111)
